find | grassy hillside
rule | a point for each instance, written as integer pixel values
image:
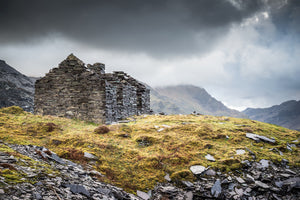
(138, 154)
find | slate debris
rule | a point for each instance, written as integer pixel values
(73, 181)
(261, 180)
(256, 180)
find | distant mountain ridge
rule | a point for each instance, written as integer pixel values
(287, 114)
(185, 99)
(15, 88)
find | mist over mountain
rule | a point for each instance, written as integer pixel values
(15, 88)
(286, 114)
(185, 99)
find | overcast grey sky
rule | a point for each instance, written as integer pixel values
(243, 52)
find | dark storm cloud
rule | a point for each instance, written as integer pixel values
(156, 27)
(287, 18)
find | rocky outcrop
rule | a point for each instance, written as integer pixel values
(15, 88)
(85, 92)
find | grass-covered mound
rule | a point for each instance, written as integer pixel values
(139, 154)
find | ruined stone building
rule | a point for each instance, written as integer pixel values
(88, 93)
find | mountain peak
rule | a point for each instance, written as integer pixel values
(287, 114)
(184, 99)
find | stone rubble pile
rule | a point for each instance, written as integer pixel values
(71, 181)
(261, 180)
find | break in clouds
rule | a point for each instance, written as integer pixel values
(245, 53)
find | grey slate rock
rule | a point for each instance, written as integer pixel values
(284, 162)
(37, 196)
(239, 192)
(259, 138)
(79, 189)
(210, 172)
(216, 189)
(210, 158)
(231, 186)
(189, 196)
(142, 195)
(279, 184)
(262, 185)
(264, 163)
(197, 169)
(240, 151)
(90, 156)
(289, 147)
(167, 177)
(56, 159)
(187, 184)
(240, 180)
(292, 183)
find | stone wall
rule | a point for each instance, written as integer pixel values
(87, 93)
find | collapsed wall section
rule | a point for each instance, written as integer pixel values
(142, 94)
(125, 98)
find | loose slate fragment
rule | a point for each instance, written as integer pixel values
(210, 158)
(259, 138)
(76, 188)
(189, 196)
(210, 172)
(143, 195)
(292, 183)
(188, 184)
(289, 147)
(90, 156)
(240, 151)
(197, 169)
(264, 163)
(160, 130)
(262, 185)
(239, 192)
(216, 189)
(56, 159)
(240, 180)
(167, 177)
